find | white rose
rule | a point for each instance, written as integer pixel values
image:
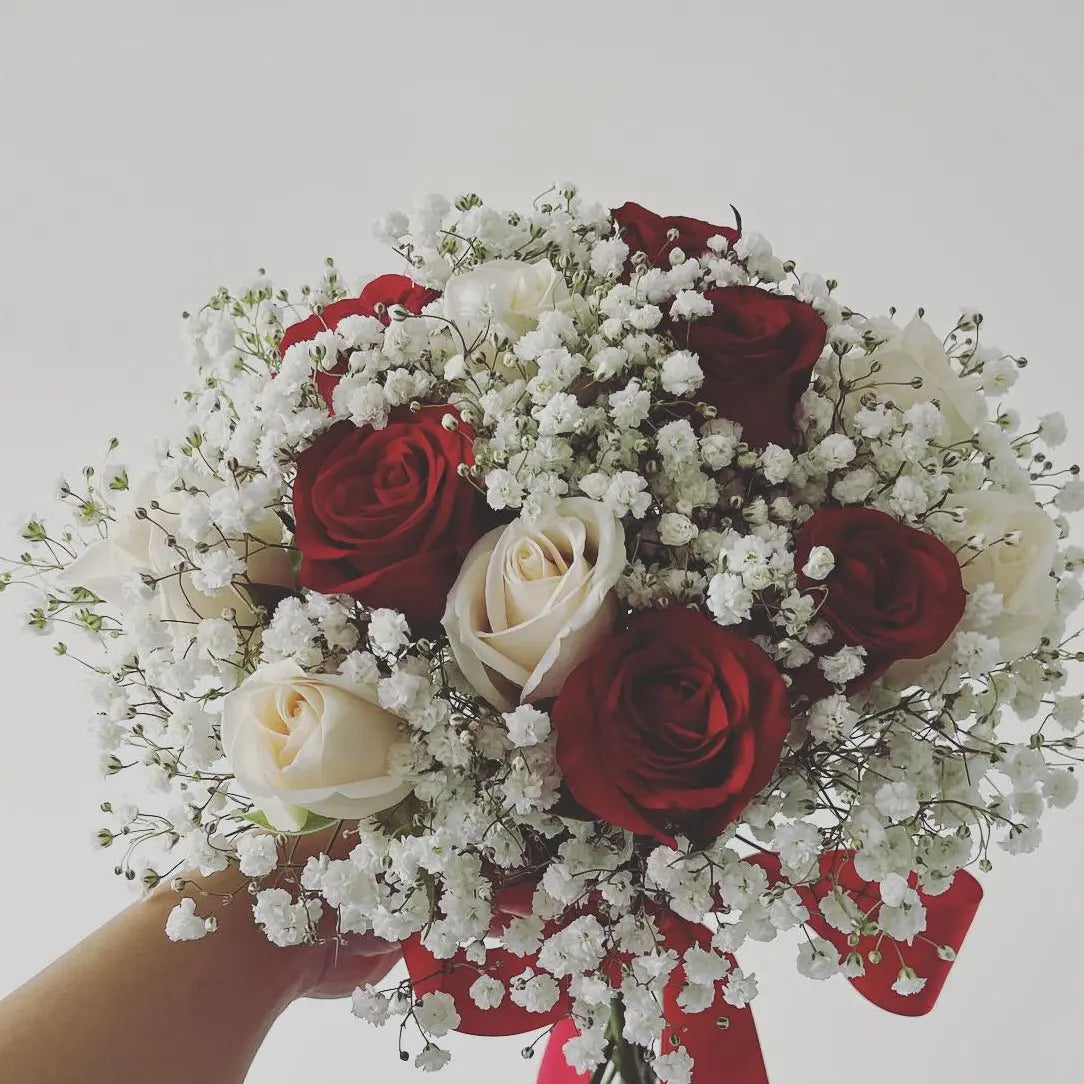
(917, 352)
(534, 599)
(137, 546)
(510, 293)
(1019, 572)
(302, 742)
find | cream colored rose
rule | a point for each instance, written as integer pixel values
(1018, 571)
(917, 352)
(302, 742)
(510, 293)
(137, 546)
(534, 599)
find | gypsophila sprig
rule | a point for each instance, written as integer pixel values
(615, 591)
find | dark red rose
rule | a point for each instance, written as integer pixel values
(895, 590)
(385, 290)
(383, 514)
(644, 231)
(757, 351)
(673, 725)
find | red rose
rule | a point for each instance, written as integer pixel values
(644, 231)
(673, 725)
(757, 351)
(385, 290)
(383, 514)
(895, 591)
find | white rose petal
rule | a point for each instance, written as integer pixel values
(1018, 571)
(535, 598)
(137, 546)
(508, 293)
(313, 742)
(917, 354)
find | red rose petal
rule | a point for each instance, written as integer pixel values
(384, 515)
(675, 722)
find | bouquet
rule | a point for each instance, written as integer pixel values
(617, 594)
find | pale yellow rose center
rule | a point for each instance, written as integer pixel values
(534, 567)
(290, 719)
(538, 558)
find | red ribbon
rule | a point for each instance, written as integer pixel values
(721, 1035)
(948, 918)
(454, 976)
(722, 1040)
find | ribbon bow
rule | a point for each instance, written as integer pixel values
(737, 1047)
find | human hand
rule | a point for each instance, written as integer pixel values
(332, 968)
(360, 960)
(345, 961)
(112, 1005)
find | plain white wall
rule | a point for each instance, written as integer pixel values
(150, 152)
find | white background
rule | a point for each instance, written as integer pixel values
(152, 151)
